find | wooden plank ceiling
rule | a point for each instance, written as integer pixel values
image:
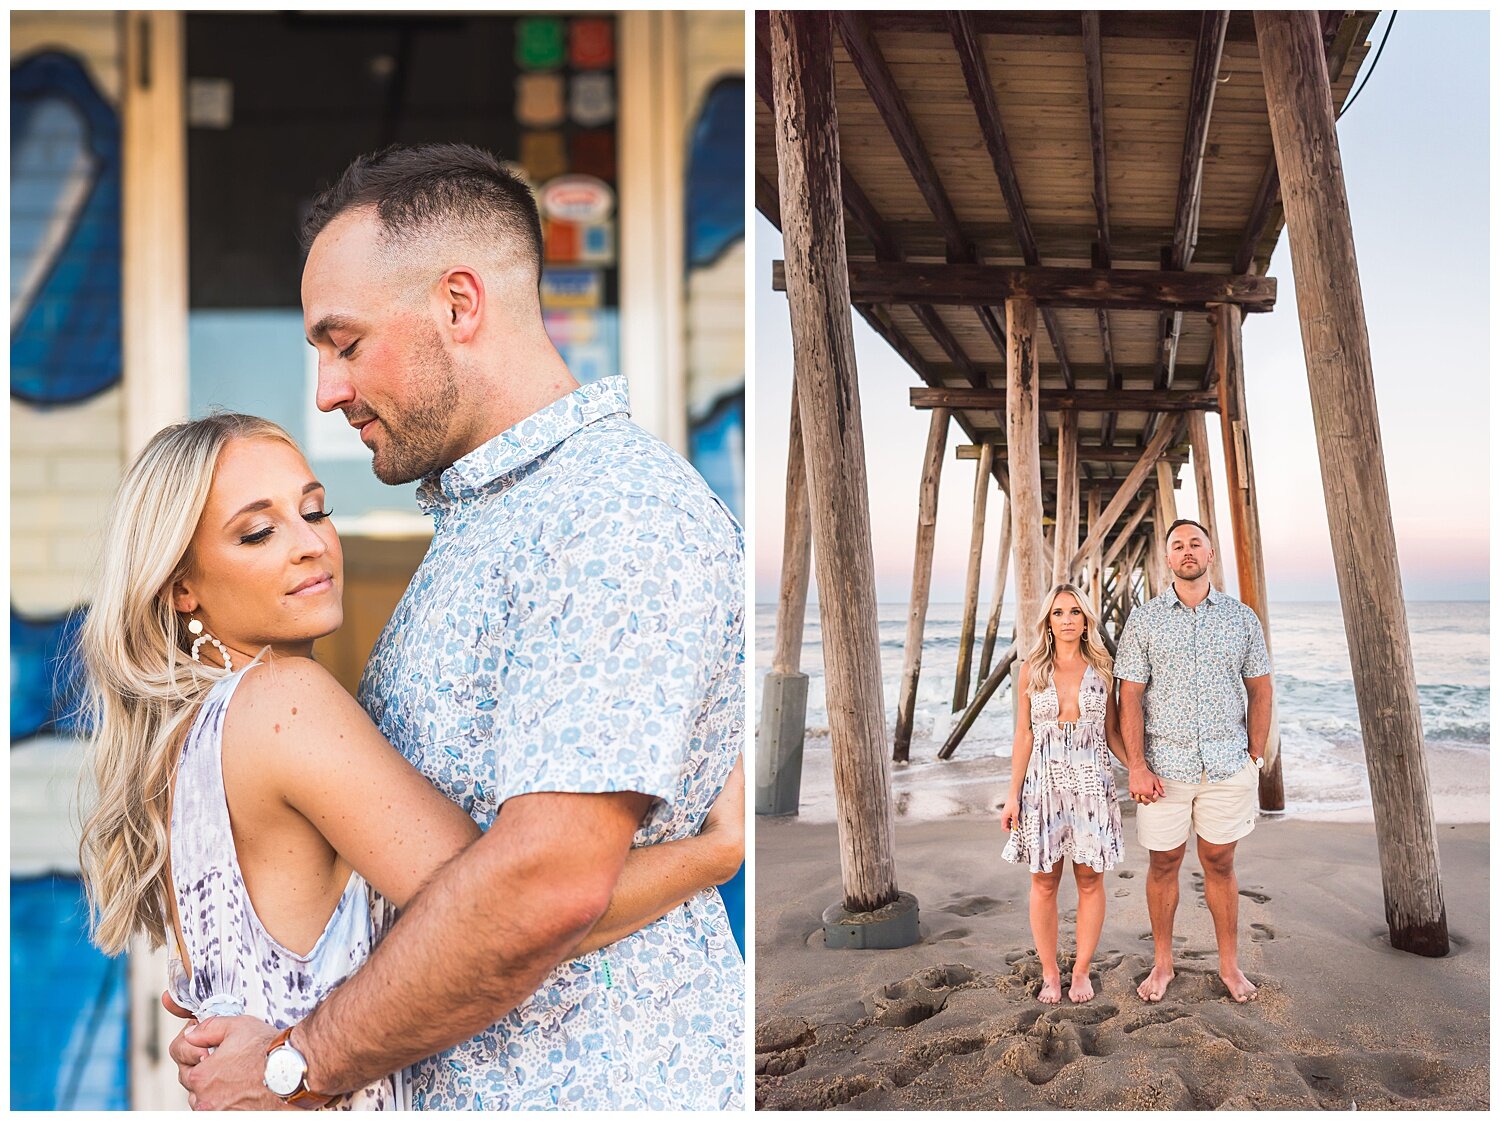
(1129, 140)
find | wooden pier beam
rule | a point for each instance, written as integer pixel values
(921, 582)
(1095, 558)
(1002, 571)
(1127, 489)
(1024, 466)
(1341, 379)
(783, 719)
(1244, 517)
(982, 475)
(1197, 428)
(1065, 542)
(1166, 495)
(807, 148)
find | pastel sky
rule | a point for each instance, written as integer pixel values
(1415, 148)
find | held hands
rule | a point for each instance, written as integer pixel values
(1145, 785)
(222, 1063)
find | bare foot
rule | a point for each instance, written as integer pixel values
(1154, 987)
(1238, 984)
(1082, 988)
(1051, 988)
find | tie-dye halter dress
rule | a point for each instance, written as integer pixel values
(1068, 805)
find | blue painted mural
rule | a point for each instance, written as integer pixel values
(716, 174)
(715, 221)
(68, 1039)
(65, 233)
(44, 675)
(715, 218)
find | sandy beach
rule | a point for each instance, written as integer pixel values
(1343, 1020)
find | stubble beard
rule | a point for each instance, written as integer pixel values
(417, 434)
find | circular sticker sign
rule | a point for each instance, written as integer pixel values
(577, 198)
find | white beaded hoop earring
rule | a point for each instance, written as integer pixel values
(196, 627)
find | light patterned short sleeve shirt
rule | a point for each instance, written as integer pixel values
(577, 626)
(1193, 662)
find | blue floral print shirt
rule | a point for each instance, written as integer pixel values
(1193, 662)
(577, 625)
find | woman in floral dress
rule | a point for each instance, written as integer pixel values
(1062, 802)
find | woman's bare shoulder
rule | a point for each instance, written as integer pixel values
(285, 699)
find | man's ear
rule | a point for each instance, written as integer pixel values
(461, 291)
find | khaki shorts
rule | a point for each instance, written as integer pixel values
(1219, 812)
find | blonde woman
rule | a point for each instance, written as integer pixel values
(248, 814)
(1061, 804)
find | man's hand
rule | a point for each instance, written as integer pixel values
(1145, 785)
(233, 1076)
(724, 827)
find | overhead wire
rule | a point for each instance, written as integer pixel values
(1374, 62)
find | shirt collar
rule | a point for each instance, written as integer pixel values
(525, 442)
(1171, 596)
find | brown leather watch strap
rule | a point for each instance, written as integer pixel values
(301, 1097)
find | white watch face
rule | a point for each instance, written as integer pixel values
(284, 1070)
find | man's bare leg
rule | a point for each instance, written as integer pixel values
(1221, 889)
(1044, 930)
(1090, 923)
(1161, 902)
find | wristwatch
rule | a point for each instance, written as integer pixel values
(286, 1074)
(1260, 762)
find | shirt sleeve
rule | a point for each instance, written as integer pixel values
(611, 658)
(1131, 663)
(1257, 662)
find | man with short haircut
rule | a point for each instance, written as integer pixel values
(1187, 663)
(566, 664)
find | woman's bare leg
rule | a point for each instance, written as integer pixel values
(1044, 930)
(1090, 924)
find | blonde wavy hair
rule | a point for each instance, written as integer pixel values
(1039, 661)
(141, 689)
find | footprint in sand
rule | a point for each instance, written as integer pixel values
(972, 905)
(953, 935)
(918, 997)
(1255, 896)
(1154, 1017)
(1177, 939)
(1122, 893)
(1126, 874)
(1262, 932)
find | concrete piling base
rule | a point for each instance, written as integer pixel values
(891, 927)
(778, 744)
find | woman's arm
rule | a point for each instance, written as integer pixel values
(295, 740)
(1112, 735)
(1020, 751)
(660, 877)
(396, 829)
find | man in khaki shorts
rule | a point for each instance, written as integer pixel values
(1194, 744)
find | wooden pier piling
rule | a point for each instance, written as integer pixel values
(1244, 517)
(1002, 571)
(1024, 465)
(807, 145)
(983, 476)
(783, 720)
(1197, 428)
(921, 581)
(1340, 377)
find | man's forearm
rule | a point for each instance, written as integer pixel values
(1133, 730)
(477, 941)
(1258, 721)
